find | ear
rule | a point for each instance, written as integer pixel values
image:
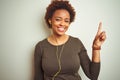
(49, 21)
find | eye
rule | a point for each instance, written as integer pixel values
(67, 21)
(58, 19)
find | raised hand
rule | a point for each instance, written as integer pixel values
(99, 38)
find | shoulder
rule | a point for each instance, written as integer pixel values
(39, 47)
(75, 39)
(76, 42)
(41, 43)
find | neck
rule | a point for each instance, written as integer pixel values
(58, 39)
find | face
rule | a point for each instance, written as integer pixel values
(60, 22)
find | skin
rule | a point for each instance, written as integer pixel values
(60, 22)
(98, 41)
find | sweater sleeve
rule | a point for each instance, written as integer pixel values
(91, 69)
(38, 72)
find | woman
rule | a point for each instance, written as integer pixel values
(59, 56)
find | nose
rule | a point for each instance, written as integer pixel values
(62, 23)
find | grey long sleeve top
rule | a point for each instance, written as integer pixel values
(73, 56)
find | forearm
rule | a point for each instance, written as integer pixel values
(96, 56)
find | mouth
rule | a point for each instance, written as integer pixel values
(61, 29)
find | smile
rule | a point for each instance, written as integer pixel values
(61, 29)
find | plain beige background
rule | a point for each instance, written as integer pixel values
(22, 26)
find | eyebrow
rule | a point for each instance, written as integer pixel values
(61, 17)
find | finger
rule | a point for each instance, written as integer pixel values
(99, 28)
(102, 36)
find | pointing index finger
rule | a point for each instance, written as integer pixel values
(99, 28)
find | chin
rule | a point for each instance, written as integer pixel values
(60, 34)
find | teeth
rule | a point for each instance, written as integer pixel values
(61, 29)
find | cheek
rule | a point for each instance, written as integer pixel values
(67, 25)
(55, 23)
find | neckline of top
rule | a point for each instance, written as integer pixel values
(60, 44)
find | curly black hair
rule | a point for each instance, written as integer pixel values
(59, 4)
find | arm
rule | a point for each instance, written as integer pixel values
(92, 69)
(97, 43)
(38, 75)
